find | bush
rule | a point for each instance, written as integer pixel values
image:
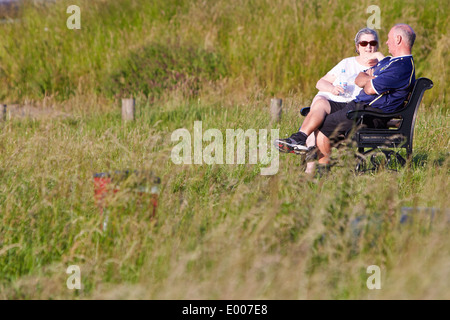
(156, 68)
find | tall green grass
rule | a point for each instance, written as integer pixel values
(222, 231)
(281, 46)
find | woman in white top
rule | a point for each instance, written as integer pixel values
(340, 86)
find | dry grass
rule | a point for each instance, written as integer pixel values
(222, 231)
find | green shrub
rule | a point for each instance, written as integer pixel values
(156, 68)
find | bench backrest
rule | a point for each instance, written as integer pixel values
(403, 136)
(409, 112)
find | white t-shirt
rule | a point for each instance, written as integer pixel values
(352, 69)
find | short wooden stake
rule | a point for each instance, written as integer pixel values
(275, 109)
(128, 109)
(2, 112)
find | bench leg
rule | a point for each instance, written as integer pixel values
(376, 158)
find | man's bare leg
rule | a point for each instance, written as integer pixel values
(311, 142)
(324, 146)
(318, 102)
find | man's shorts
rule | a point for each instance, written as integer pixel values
(337, 123)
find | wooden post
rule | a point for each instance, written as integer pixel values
(128, 109)
(275, 109)
(2, 112)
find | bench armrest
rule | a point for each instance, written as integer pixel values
(361, 113)
(304, 111)
(358, 113)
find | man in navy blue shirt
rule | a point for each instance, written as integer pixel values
(385, 88)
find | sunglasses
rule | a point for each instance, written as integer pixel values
(373, 43)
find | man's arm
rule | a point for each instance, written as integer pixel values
(363, 81)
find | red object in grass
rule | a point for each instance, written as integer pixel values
(101, 187)
(103, 184)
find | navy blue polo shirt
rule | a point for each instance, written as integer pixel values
(394, 78)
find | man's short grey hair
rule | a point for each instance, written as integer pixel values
(406, 32)
(365, 31)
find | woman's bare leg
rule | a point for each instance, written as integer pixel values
(320, 108)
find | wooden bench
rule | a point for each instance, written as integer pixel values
(398, 133)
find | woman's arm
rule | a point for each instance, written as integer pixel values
(326, 84)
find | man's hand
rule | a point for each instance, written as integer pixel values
(363, 78)
(373, 58)
(363, 81)
(370, 72)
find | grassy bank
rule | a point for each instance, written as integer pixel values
(281, 46)
(222, 231)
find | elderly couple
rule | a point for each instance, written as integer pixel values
(375, 83)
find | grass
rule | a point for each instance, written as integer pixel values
(222, 231)
(278, 47)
